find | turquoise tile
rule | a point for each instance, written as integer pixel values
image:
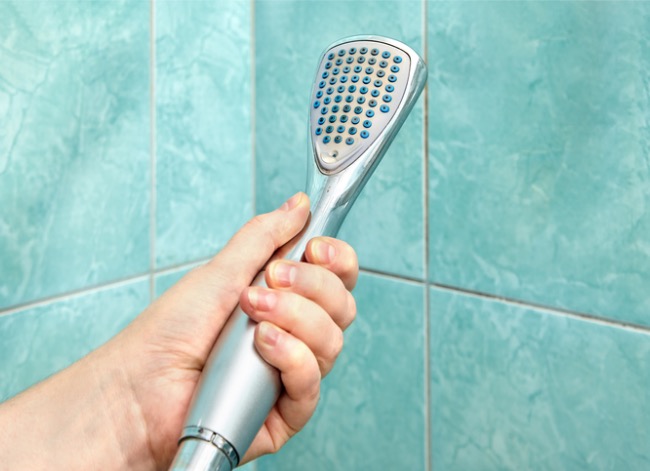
(204, 170)
(538, 152)
(252, 466)
(39, 341)
(74, 146)
(371, 412)
(519, 388)
(386, 226)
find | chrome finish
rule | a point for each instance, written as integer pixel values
(194, 453)
(193, 433)
(238, 388)
(252, 388)
(332, 158)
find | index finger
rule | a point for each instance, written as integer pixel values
(335, 255)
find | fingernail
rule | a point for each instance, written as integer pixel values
(262, 299)
(284, 273)
(268, 334)
(325, 252)
(291, 202)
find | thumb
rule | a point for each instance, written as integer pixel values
(254, 244)
(188, 317)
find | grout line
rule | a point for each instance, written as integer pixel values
(557, 311)
(477, 294)
(252, 111)
(152, 147)
(427, 310)
(74, 293)
(148, 275)
(392, 276)
(427, 379)
(180, 266)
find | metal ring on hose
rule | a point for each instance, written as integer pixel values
(217, 440)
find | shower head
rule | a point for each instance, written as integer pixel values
(365, 87)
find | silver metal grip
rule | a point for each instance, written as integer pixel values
(237, 387)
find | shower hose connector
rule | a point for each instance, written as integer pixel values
(205, 450)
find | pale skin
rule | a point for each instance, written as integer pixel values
(123, 405)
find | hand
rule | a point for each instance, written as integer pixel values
(136, 389)
(302, 315)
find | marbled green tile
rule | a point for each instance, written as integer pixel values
(252, 466)
(39, 341)
(371, 412)
(204, 189)
(386, 226)
(516, 388)
(539, 151)
(74, 145)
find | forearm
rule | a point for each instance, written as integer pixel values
(81, 418)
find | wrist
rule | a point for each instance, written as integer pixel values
(84, 418)
(121, 413)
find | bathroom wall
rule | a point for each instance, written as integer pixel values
(125, 159)
(504, 315)
(504, 320)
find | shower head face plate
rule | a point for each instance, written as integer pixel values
(357, 92)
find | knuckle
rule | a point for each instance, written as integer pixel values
(298, 358)
(351, 264)
(257, 223)
(336, 345)
(312, 392)
(323, 365)
(347, 265)
(262, 228)
(351, 310)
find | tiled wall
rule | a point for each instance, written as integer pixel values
(504, 314)
(125, 159)
(505, 237)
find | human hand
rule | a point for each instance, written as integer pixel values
(302, 314)
(123, 405)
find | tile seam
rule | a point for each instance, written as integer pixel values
(253, 104)
(180, 266)
(552, 310)
(152, 147)
(476, 294)
(372, 271)
(558, 311)
(428, 462)
(74, 293)
(147, 275)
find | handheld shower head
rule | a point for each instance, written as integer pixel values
(364, 89)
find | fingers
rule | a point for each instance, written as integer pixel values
(250, 248)
(300, 317)
(335, 255)
(314, 283)
(308, 301)
(299, 372)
